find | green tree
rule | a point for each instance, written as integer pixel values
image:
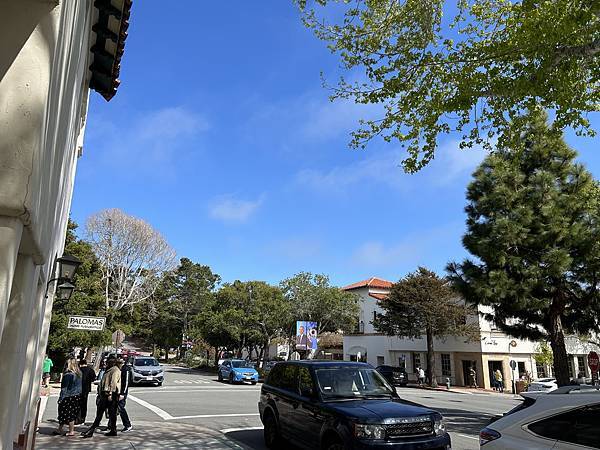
(472, 67)
(87, 299)
(533, 227)
(420, 304)
(180, 295)
(312, 297)
(543, 354)
(243, 316)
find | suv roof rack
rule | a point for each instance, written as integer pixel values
(587, 388)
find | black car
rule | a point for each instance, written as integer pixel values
(395, 375)
(337, 405)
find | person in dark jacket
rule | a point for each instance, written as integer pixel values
(88, 375)
(126, 376)
(108, 399)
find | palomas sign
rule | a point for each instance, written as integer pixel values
(86, 323)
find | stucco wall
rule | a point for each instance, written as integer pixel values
(44, 59)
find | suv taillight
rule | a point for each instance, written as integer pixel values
(487, 435)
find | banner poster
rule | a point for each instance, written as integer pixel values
(306, 335)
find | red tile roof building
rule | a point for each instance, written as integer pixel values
(373, 282)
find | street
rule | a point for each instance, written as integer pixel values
(192, 402)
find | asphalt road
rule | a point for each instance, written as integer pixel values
(193, 398)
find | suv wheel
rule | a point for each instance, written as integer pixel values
(271, 432)
(231, 379)
(219, 376)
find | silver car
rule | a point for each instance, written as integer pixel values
(146, 369)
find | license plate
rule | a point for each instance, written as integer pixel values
(149, 378)
(248, 378)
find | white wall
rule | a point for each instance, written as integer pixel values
(44, 61)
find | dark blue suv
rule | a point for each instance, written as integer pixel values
(337, 405)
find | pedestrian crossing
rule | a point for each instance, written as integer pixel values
(191, 382)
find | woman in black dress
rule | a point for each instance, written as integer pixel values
(68, 401)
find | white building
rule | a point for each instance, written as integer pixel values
(454, 356)
(52, 52)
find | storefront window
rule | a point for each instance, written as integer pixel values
(446, 368)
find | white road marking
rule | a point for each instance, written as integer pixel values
(233, 430)
(191, 382)
(467, 436)
(210, 416)
(155, 409)
(160, 391)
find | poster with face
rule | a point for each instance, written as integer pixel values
(306, 335)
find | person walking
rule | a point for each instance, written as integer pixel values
(47, 366)
(473, 377)
(421, 375)
(108, 399)
(88, 375)
(126, 376)
(69, 398)
(499, 381)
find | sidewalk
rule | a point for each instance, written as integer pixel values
(145, 436)
(462, 390)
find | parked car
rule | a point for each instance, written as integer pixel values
(237, 371)
(333, 405)
(543, 384)
(395, 375)
(146, 369)
(564, 419)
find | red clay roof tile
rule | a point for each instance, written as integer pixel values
(373, 282)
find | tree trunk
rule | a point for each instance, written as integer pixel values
(559, 349)
(216, 356)
(431, 358)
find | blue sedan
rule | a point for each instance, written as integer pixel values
(237, 371)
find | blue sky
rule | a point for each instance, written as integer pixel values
(222, 138)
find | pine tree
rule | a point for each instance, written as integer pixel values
(532, 225)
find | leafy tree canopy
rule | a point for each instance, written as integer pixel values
(422, 302)
(87, 299)
(471, 66)
(312, 297)
(243, 315)
(533, 228)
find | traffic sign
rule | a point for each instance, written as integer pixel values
(513, 364)
(593, 361)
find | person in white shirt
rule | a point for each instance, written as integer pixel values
(421, 375)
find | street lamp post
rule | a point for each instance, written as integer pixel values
(511, 363)
(66, 266)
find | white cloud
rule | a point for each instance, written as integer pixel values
(296, 248)
(384, 168)
(377, 254)
(151, 141)
(227, 208)
(169, 123)
(412, 250)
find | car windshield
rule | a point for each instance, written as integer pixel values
(352, 382)
(242, 364)
(145, 362)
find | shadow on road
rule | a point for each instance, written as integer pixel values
(253, 439)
